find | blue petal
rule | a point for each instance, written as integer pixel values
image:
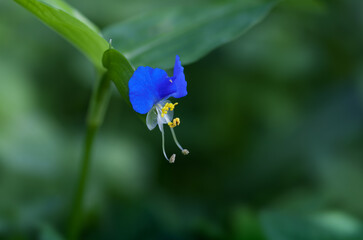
(179, 80)
(148, 86)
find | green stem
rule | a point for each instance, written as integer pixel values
(96, 112)
(76, 216)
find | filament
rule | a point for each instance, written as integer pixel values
(184, 151)
(172, 158)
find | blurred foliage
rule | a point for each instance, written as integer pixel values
(273, 121)
(191, 31)
(69, 23)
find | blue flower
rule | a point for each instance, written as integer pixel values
(149, 90)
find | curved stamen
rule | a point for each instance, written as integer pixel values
(172, 158)
(174, 123)
(184, 151)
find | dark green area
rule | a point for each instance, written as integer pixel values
(191, 31)
(273, 121)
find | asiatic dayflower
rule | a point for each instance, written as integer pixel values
(149, 91)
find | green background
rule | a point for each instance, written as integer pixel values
(273, 121)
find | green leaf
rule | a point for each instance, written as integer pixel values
(119, 71)
(155, 38)
(72, 25)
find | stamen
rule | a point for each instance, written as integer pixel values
(176, 122)
(172, 158)
(167, 107)
(170, 81)
(184, 151)
(172, 106)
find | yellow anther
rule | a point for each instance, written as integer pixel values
(167, 107)
(170, 81)
(176, 122)
(172, 106)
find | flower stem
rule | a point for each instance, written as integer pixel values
(76, 217)
(97, 108)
